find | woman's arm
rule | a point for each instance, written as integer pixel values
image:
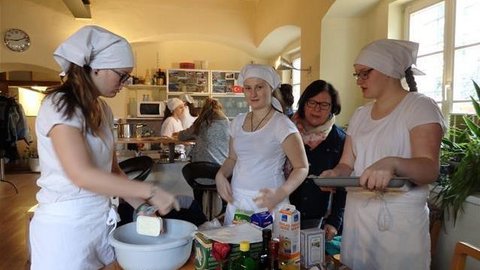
(295, 152)
(223, 185)
(422, 168)
(134, 202)
(70, 147)
(345, 165)
(186, 134)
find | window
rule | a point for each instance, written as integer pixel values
(297, 62)
(448, 33)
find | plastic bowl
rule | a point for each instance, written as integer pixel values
(168, 251)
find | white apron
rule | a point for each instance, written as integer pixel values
(244, 199)
(79, 230)
(374, 226)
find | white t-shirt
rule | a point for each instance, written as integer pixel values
(260, 156)
(187, 119)
(375, 139)
(170, 125)
(54, 183)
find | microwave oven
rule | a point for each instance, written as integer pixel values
(150, 108)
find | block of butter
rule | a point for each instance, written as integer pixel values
(151, 226)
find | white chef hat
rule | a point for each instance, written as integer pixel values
(94, 46)
(264, 72)
(390, 56)
(186, 98)
(173, 103)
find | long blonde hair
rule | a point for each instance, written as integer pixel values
(79, 91)
(211, 110)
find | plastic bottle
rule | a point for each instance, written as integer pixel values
(264, 253)
(246, 261)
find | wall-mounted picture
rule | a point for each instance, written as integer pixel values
(229, 76)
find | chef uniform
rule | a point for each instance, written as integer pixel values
(260, 156)
(388, 230)
(70, 226)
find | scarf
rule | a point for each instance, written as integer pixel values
(316, 135)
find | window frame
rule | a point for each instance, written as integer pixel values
(449, 49)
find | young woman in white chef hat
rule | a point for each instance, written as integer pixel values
(397, 134)
(79, 170)
(260, 143)
(173, 113)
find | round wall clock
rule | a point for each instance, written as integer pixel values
(16, 40)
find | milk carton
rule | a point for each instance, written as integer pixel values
(287, 226)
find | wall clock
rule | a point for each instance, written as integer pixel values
(16, 40)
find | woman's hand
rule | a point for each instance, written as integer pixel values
(329, 173)
(223, 187)
(330, 232)
(269, 197)
(378, 175)
(163, 201)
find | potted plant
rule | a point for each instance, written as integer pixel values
(461, 152)
(31, 155)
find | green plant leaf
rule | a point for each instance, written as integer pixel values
(477, 89)
(474, 128)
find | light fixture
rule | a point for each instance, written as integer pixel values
(283, 64)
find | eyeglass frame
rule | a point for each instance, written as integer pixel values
(363, 75)
(313, 104)
(123, 76)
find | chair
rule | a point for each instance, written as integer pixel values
(137, 168)
(462, 250)
(200, 176)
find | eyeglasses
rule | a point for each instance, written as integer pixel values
(362, 74)
(123, 76)
(318, 105)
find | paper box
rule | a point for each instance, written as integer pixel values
(288, 232)
(203, 252)
(312, 247)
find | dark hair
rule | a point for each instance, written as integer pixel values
(410, 80)
(287, 94)
(211, 110)
(79, 91)
(314, 89)
(167, 113)
(191, 109)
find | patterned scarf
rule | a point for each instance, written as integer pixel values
(314, 136)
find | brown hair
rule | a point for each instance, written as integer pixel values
(211, 110)
(79, 91)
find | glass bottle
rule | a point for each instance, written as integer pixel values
(273, 249)
(246, 261)
(264, 254)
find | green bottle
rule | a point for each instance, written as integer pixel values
(246, 262)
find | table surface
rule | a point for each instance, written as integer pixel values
(164, 140)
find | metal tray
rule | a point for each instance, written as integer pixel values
(396, 182)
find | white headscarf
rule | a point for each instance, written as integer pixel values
(173, 103)
(390, 56)
(186, 98)
(264, 72)
(94, 46)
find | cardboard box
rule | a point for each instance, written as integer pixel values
(288, 225)
(203, 252)
(312, 247)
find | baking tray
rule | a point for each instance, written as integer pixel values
(350, 181)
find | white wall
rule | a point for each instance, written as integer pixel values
(466, 229)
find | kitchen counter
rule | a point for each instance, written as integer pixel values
(171, 142)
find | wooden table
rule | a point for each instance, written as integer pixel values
(171, 142)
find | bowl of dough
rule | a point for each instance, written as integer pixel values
(170, 250)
